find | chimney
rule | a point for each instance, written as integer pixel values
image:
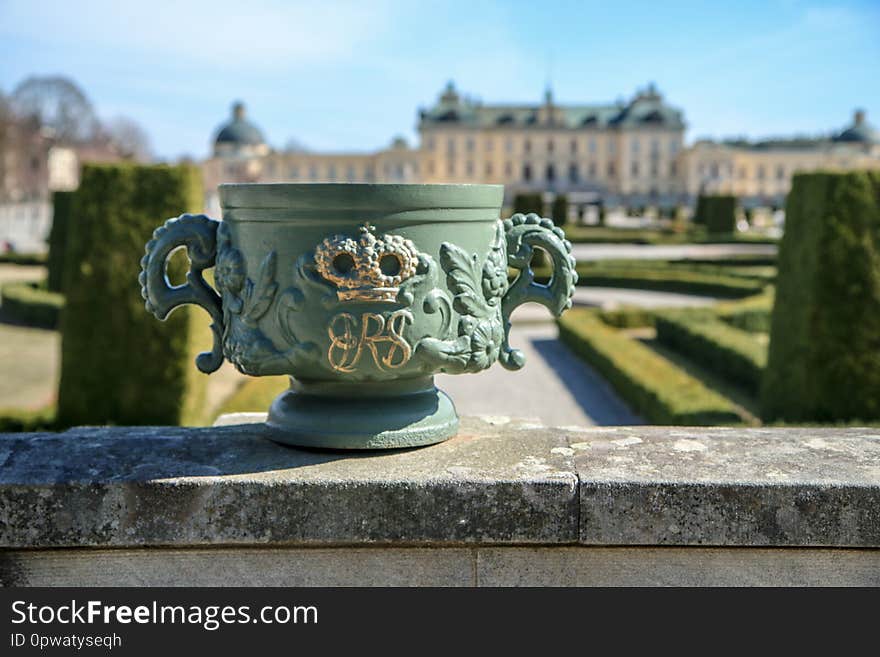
(238, 110)
(859, 116)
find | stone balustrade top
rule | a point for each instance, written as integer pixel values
(502, 481)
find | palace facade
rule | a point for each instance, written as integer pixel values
(625, 153)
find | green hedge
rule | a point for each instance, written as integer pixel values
(658, 390)
(824, 358)
(526, 203)
(16, 420)
(119, 364)
(684, 281)
(31, 304)
(627, 317)
(15, 258)
(751, 314)
(61, 204)
(733, 354)
(717, 213)
(559, 210)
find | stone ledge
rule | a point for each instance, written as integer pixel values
(451, 566)
(500, 482)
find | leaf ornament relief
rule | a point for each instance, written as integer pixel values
(245, 302)
(476, 296)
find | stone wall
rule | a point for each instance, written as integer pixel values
(506, 502)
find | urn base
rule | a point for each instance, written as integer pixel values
(389, 415)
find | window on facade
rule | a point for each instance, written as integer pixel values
(611, 146)
(592, 145)
(574, 146)
(313, 172)
(654, 170)
(430, 143)
(399, 171)
(527, 146)
(450, 168)
(549, 145)
(430, 167)
(673, 169)
(780, 172)
(293, 173)
(743, 173)
(713, 170)
(634, 144)
(673, 146)
(527, 173)
(508, 169)
(369, 173)
(611, 169)
(490, 145)
(592, 170)
(551, 173)
(573, 173)
(488, 168)
(469, 168)
(508, 145)
(331, 172)
(634, 169)
(350, 173)
(470, 144)
(450, 146)
(655, 147)
(761, 172)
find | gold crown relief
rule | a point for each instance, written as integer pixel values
(369, 269)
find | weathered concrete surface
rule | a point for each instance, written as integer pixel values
(453, 566)
(500, 482)
(653, 566)
(728, 486)
(139, 486)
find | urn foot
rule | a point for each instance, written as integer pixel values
(390, 415)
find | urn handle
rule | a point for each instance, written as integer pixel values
(198, 233)
(525, 233)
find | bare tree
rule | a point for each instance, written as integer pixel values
(129, 138)
(57, 103)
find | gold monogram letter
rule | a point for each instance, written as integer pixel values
(347, 343)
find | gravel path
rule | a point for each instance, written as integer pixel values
(555, 387)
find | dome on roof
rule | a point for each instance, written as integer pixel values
(860, 131)
(239, 131)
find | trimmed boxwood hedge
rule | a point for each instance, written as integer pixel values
(731, 353)
(657, 389)
(61, 204)
(17, 420)
(824, 358)
(119, 365)
(717, 213)
(526, 203)
(751, 314)
(559, 210)
(667, 279)
(15, 258)
(31, 304)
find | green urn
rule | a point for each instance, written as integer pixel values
(360, 293)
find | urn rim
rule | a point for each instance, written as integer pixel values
(360, 196)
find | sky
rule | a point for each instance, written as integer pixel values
(349, 76)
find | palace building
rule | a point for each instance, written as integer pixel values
(760, 172)
(618, 154)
